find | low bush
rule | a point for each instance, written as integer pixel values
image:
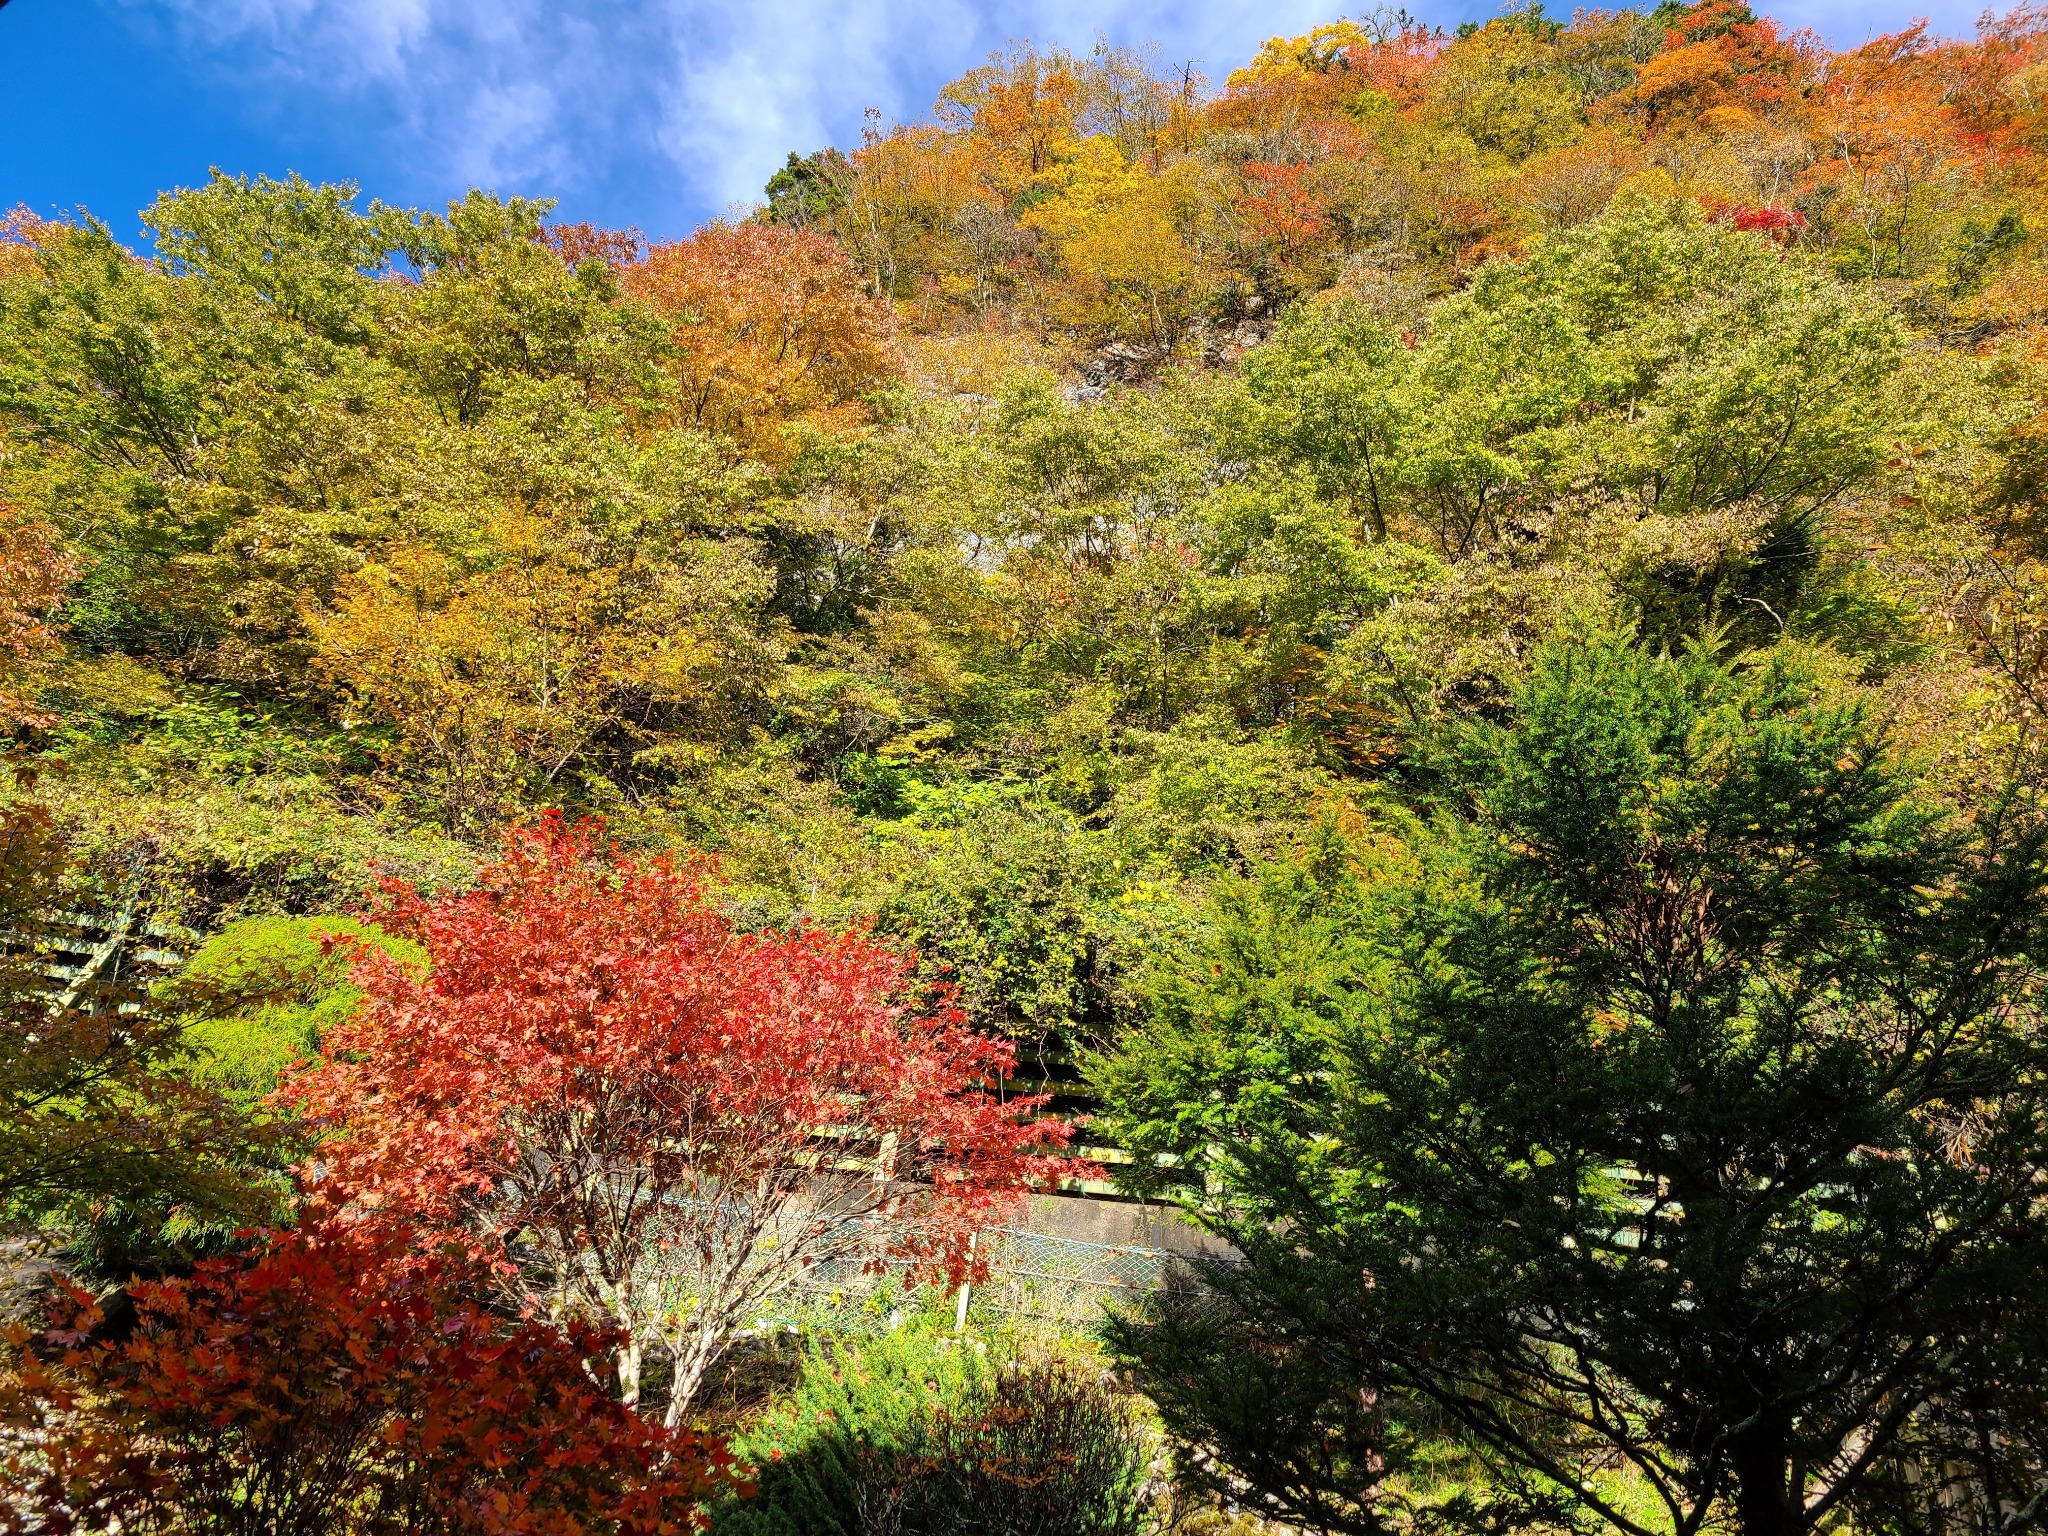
(855, 1398)
(265, 991)
(1044, 1451)
(913, 1433)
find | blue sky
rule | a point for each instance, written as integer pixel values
(659, 113)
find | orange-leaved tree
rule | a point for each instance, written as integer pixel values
(334, 1381)
(650, 1116)
(771, 325)
(33, 576)
(1282, 222)
(1721, 66)
(1021, 110)
(1892, 157)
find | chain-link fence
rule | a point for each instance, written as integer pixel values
(1032, 1276)
(1037, 1275)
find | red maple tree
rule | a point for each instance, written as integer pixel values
(1281, 212)
(336, 1381)
(650, 1116)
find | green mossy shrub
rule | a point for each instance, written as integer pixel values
(915, 1433)
(855, 1397)
(264, 992)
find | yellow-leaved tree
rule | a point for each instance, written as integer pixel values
(1130, 243)
(551, 657)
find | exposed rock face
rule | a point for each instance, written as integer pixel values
(29, 1271)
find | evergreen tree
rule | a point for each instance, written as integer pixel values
(1670, 1132)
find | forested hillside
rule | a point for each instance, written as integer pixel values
(1165, 554)
(1033, 514)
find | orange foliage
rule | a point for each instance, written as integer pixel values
(1882, 115)
(1281, 213)
(1321, 72)
(1277, 101)
(1021, 109)
(1569, 185)
(33, 576)
(20, 232)
(1399, 67)
(1902, 159)
(771, 327)
(578, 243)
(1718, 67)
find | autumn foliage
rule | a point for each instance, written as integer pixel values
(672, 1119)
(771, 326)
(33, 575)
(1044, 534)
(325, 1386)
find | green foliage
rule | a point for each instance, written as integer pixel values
(1043, 1450)
(998, 897)
(806, 189)
(262, 993)
(1229, 1063)
(1720, 373)
(1323, 397)
(1408, 708)
(915, 1432)
(1628, 1116)
(288, 481)
(293, 248)
(856, 1396)
(99, 1122)
(1688, 372)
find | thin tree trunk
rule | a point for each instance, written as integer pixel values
(629, 1369)
(691, 1362)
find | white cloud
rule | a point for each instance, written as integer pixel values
(743, 91)
(329, 41)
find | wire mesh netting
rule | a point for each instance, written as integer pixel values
(1034, 1274)
(1031, 1275)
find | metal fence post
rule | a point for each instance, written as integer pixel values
(966, 1289)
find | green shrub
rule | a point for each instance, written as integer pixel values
(855, 1398)
(915, 1434)
(1043, 1451)
(263, 992)
(997, 895)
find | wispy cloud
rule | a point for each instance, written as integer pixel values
(741, 91)
(492, 91)
(680, 108)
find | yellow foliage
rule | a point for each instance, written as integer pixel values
(1570, 185)
(1122, 236)
(493, 680)
(1315, 52)
(1507, 90)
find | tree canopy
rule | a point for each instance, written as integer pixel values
(1439, 643)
